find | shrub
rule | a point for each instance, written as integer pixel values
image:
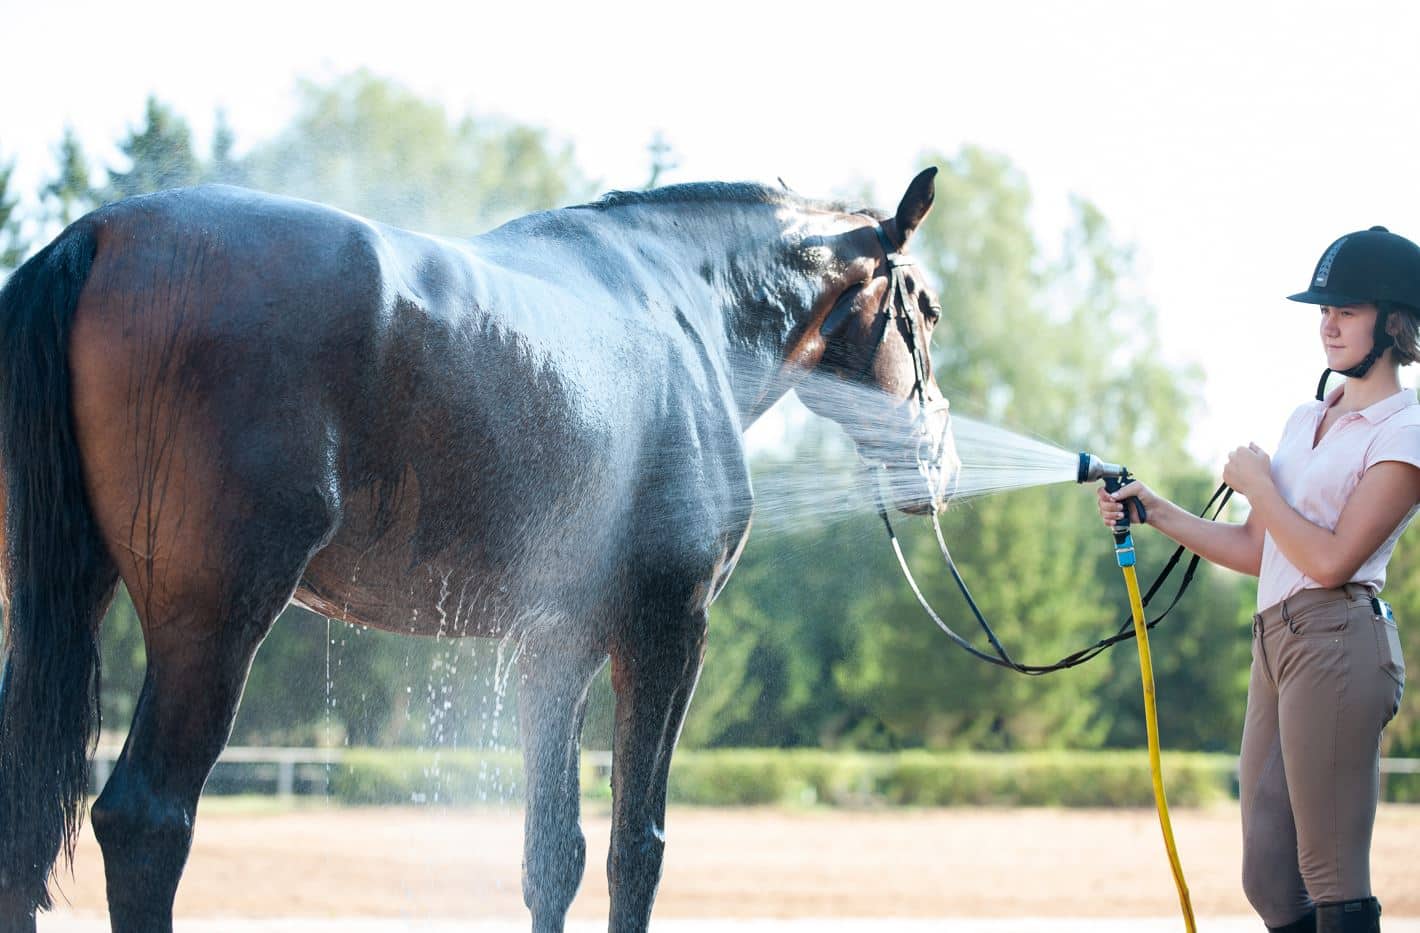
(751, 777)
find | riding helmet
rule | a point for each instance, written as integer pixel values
(1365, 267)
(1371, 266)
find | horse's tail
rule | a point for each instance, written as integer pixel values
(56, 576)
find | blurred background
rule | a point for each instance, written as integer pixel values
(1127, 192)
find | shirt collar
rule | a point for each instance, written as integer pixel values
(1376, 412)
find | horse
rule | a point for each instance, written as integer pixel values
(231, 401)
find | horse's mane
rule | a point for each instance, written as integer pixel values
(730, 192)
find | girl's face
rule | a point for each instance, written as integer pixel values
(1346, 334)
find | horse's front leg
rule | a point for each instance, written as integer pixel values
(654, 671)
(552, 700)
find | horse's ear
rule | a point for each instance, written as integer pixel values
(915, 204)
(842, 310)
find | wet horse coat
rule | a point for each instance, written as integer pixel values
(533, 433)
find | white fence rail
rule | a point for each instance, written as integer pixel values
(283, 771)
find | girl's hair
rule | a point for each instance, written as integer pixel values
(1403, 322)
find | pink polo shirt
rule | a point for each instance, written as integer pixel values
(1317, 481)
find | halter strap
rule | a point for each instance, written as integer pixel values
(894, 258)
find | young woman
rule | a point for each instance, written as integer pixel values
(1327, 672)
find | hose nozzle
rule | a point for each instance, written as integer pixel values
(1093, 468)
(1115, 477)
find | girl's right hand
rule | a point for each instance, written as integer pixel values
(1112, 504)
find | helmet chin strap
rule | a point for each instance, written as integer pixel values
(1381, 341)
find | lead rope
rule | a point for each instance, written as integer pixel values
(1002, 658)
(1124, 553)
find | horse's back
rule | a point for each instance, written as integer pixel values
(252, 369)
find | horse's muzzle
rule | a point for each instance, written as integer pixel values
(924, 481)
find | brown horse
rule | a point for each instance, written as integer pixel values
(230, 400)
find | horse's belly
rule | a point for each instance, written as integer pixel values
(376, 590)
(502, 555)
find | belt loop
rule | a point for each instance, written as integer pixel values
(1287, 617)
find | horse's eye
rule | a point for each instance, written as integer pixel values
(931, 311)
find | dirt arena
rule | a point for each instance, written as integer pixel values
(253, 861)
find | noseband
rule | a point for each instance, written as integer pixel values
(894, 305)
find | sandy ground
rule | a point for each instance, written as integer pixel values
(425, 866)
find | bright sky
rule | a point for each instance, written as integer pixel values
(1229, 141)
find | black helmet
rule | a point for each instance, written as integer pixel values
(1366, 267)
(1371, 266)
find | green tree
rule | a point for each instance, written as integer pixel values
(1402, 591)
(835, 648)
(371, 146)
(13, 245)
(663, 158)
(160, 155)
(71, 194)
(224, 167)
(123, 665)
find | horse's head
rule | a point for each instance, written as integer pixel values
(873, 330)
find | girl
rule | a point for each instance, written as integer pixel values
(1327, 673)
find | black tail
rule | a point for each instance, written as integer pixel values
(56, 572)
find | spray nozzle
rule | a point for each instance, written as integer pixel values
(1115, 477)
(1093, 468)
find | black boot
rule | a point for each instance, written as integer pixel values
(1358, 916)
(1306, 923)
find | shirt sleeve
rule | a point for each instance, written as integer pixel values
(1401, 443)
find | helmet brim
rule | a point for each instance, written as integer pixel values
(1314, 296)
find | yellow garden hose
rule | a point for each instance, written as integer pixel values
(1115, 477)
(1151, 719)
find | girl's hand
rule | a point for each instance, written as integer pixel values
(1112, 504)
(1249, 470)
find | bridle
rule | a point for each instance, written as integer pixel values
(892, 307)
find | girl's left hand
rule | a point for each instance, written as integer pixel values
(1249, 469)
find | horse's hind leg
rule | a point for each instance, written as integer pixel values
(197, 665)
(200, 648)
(552, 697)
(654, 672)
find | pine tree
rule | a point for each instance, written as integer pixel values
(369, 145)
(224, 168)
(13, 246)
(662, 158)
(160, 154)
(71, 194)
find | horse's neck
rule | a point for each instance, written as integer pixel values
(763, 278)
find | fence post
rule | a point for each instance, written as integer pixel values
(286, 777)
